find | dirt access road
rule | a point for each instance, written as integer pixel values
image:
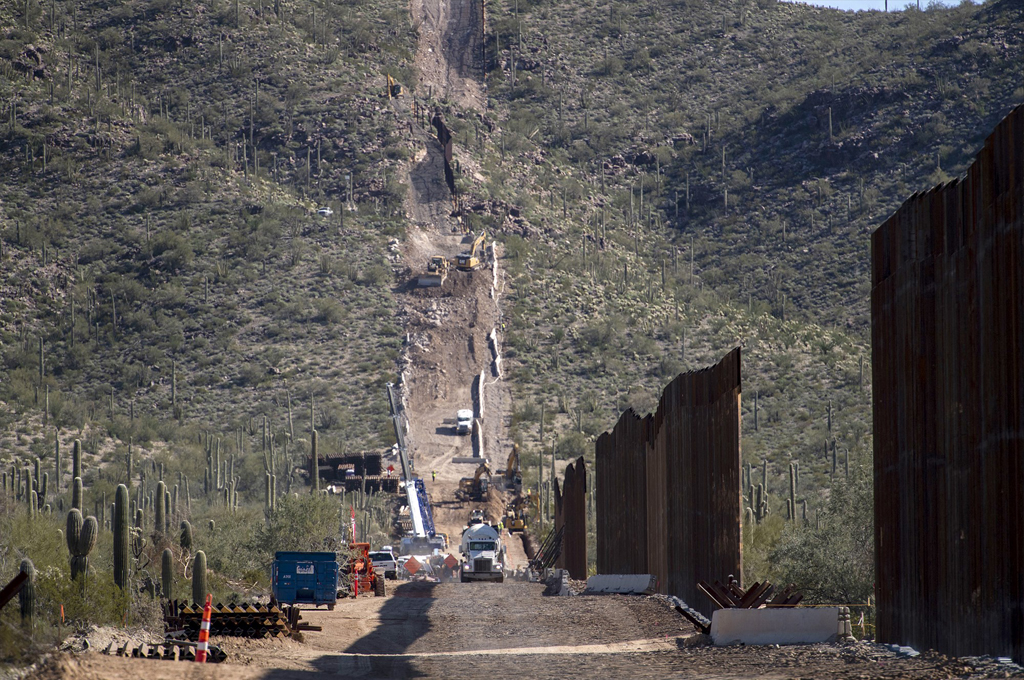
(454, 332)
(511, 630)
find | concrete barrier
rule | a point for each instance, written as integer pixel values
(775, 626)
(492, 340)
(637, 584)
(478, 394)
(478, 440)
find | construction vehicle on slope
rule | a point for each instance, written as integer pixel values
(475, 488)
(513, 475)
(437, 271)
(464, 421)
(475, 257)
(483, 554)
(516, 515)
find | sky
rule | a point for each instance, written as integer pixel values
(857, 5)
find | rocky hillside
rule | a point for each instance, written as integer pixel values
(670, 179)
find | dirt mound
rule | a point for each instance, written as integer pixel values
(457, 284)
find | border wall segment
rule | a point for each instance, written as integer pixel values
(668, 486)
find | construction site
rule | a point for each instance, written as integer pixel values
(483, 588)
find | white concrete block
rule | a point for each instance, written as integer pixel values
(638, 584)
(775, 626)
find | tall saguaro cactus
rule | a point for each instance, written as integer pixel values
(186, 536)
(27, 595)
(167, 574)
(160, 508)
(199, 584)
(120, 527)
(76, 493)
(76, 460)
(315, 463)
(58, 468)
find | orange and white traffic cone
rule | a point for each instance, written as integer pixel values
(204, 630)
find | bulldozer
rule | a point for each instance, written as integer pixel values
(361, 576)
(513, 475)
(475, 257)
(475, 488)
(437, 271)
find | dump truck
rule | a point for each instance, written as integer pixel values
(483, 554)
(437, 271)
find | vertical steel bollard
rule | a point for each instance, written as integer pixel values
(204, 630)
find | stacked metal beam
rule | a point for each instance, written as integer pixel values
(251, 621)
(668, 485)
(947, 322)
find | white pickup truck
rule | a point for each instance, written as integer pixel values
(383, 560)
(464, 421)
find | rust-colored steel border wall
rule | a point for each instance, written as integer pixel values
(668, 486)
(947, 330)
(571, 513)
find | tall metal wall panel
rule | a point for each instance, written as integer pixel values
(947, 326)
(668, 486)
(571, 515)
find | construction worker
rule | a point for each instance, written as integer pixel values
(433, 475)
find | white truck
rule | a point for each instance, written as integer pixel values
(464, 421)
(483, 555)
(384, 561)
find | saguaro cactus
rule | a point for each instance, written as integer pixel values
(186, 536)
(167, 573)
(76, 459)
(315, 464)
(76, 493)
(81, 538)
(128, 462)
(792, 490)
(57, 469)
(199, 585)
(120, 527)
(160, 508)
(27, 595)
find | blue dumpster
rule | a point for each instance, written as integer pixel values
(305, 578)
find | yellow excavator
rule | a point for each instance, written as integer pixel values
(475, 256)
(515, 513)
(475, 488)
(437, 272)
(513, 475)
(394, 89)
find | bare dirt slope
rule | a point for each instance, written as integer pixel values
(448, 56)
